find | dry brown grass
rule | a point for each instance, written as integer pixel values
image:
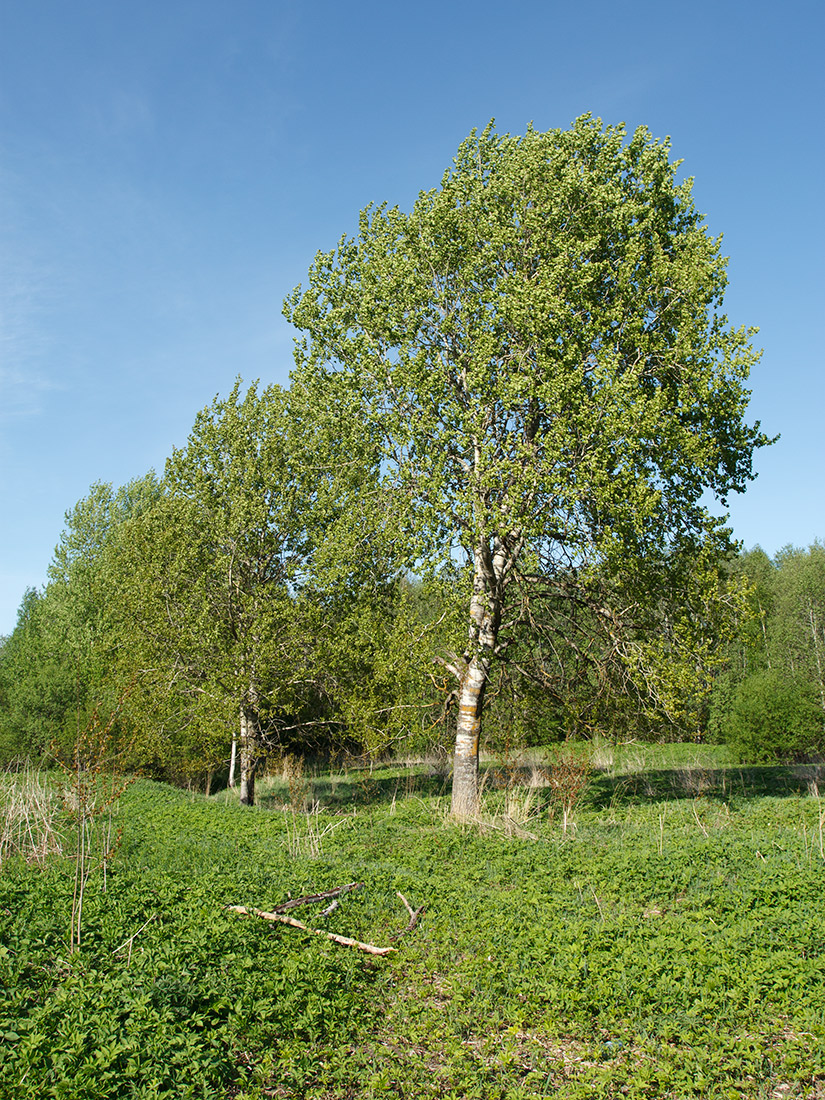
(29, 815)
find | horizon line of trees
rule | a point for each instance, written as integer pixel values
(251, 602)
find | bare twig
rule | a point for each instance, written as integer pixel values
(453, 667)
(371, 949)
(698, 822)
(598, 903)
(309, 899)
(415, 916)
(407, 905)
(132, 938)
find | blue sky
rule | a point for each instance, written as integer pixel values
(168, 171)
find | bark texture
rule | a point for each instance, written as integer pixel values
(489, 578)
(249, 742)
(233, 759)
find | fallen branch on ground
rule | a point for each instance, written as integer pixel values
(415, 915)
(371, 949)
(293, 903)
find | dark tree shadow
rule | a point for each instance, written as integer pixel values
(721, 784)
(362, 787)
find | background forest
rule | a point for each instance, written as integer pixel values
(168, 596)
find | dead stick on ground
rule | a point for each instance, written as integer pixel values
(371, 949)
(293, 903)
(133, 937)
(407, 905)
(415, 915)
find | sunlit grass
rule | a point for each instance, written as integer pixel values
(668, 944)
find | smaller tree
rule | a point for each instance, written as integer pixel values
(799, 615)
(775, 666)
(36, 687)
(214, 569)
(234, 580)
(68, 656)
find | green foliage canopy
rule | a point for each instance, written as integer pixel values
(769, 699)
(541, 347)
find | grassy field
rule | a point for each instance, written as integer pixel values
(661, 936)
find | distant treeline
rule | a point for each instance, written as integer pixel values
(256, 596)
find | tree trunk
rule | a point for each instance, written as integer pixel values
(249, 761)
(233, 757)
(250, 746)
(467, 734)
(485, 617)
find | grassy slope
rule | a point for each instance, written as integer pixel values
(671, 945)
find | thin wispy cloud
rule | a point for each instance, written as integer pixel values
(126, 113)
(23, 346)
(27, 285)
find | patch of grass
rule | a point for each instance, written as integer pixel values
(672, 945)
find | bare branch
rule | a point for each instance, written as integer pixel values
(345, 941)
(310, 899)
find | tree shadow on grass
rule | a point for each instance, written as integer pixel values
(723, 784)
(361, 788)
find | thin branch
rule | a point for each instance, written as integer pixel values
(450, 667)
(293, 903)
(415, 916)
(128, 942)
(345, 941)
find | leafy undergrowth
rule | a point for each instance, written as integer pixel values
(663, 950)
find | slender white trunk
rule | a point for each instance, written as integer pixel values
(765, 635)
(249, 758)
(467, 735)
(233, 758)
(485, 617)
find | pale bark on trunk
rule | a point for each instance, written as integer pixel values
(247, 791)
(233, 758)
(485, 618)
(249, 747)
(467, 734)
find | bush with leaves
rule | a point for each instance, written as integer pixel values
(774, 716)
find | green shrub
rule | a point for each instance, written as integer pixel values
(774, 717)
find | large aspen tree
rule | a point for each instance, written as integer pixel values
(541, 345)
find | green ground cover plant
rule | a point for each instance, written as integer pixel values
(669, 944)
